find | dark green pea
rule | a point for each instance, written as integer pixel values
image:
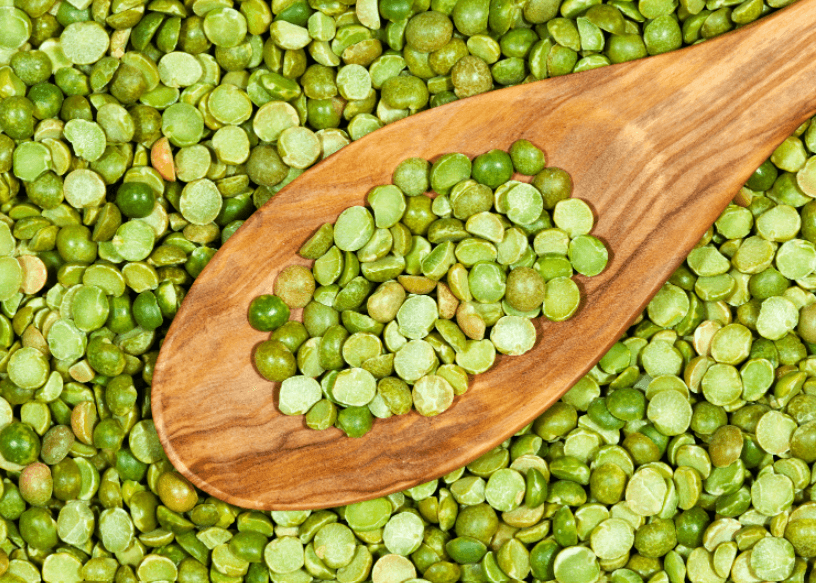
(324, 114)
(355, 421)
(274, 361)
(265, 166)
(418, 214)
(627, 404)
(556, 421)
(537, 488)
(395, 10)
(249, 546)
(763, 177)
(492, 168)
(518, 42)
(74, 244)
(292, 333)
(46, 191)
(527, 158)
(12, 504)
(38, 528)
(465, 549)
(146, 311)
(108, 434)
(478, 521)
(607, 483)
(542, 559)
(56, 444)
(707, 418)
(67, 479)
(19, 443)
(656, 538)
(31, 67)
(176, 492)
(105, 357)
(128, 466)
(44, 27)
(17, 117)
(267, 312)
(690, 526)
(120, 314)
(135, 199)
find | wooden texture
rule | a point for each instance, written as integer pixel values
(658, 147)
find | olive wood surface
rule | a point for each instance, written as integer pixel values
(658, 147)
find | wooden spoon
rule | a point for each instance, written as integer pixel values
(658, 147)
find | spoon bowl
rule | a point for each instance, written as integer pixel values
(658, 147)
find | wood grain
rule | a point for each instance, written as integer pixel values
(658, 147)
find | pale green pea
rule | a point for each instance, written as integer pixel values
(646, 491)
(231, 145)
(757, 377)
(735, 222)
(115, 529)
(772, 559)
(297, 395)
(30, 160)
(561, 299)
(777, 317)
(84, 188)
(772, 493)
(414, 360)
(574, 216)
(354, 387)
(722, 384)
(774, 431)
(780, 223)
(200, 201)
(754, 255)
(806, 177)
(353, 82)
(225, 27)
(289, 36)
(505, 489)
(513, 335)
(353, 229)
(796, 258)
(416, 316)
(84, 43)
(183, 124)
(402, 534)
(731, 344)
(284, 554)
(179, 69)
(524, 204)
(28, 368)
(16, 27)
(576, 565)
(588, 255)
(388, 205)
(75, 522)
(612, 538)
(707, 261)
(66, 341)
(273, 118)
(192, 162)
(432, 395)
(298, 147)
(487, 226)
(11, 277)
(134, 240)
(477, 357)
